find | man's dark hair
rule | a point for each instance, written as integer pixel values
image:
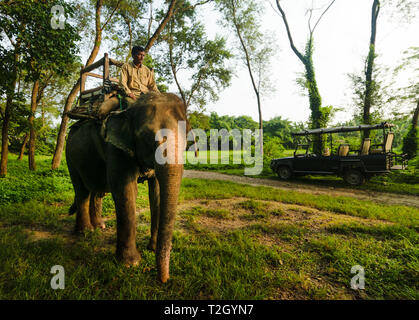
(136, 49)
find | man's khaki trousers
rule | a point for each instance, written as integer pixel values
(112, 104)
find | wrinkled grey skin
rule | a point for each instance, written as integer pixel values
(110, 158)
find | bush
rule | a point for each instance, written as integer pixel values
(410, 143)
(272, 147)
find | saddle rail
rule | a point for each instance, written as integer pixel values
(88, 99)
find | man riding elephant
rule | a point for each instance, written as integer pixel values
(135, 79)
(144, 141)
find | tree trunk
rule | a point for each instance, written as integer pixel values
(6, 119)
(43, 113)
(315, 99)
(22, 149)
(284, 18)
(150, 22)
(56, 160)
(31, 152)
(410, 141)
(313, 91)
(249, 68)
(161, 26)
(5, 137)
(260, 123)
(370, 68)
(173, 67)
(128, 23)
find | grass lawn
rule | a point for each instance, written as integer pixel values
(230, 242)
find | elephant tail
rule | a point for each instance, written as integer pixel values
(72, 209)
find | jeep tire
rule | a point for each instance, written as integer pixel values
(353, 177)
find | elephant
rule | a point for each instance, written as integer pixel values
(114, 155)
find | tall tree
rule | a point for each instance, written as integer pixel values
(189, 52)
(11, 59)
(99, 28)
(410, 141)
(410, 94)
(255, 50)
(38, 47)
(38, 87)
(319, 115)
(161, 26)
(132, 22)
(369, 82)
(371, 93)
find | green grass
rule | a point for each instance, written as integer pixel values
(230, 242)
(213, 189)
(400, 181)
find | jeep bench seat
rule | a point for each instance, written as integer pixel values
(343, 150)
(386, 146)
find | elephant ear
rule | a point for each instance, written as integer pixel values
(116, 130)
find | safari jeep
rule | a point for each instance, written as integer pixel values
(355, 166)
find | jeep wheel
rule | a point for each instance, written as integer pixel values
(284, 172)
(354, 177)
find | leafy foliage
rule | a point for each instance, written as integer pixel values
(255, 48)
(40, 47)
(377, 95)
(188, 53)
(411, 142)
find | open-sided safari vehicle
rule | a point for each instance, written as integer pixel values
(90, 100)
(355, 166)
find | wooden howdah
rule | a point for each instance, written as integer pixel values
(90, 100)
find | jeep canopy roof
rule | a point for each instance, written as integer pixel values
(361, 127)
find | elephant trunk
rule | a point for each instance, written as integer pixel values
(169, 177)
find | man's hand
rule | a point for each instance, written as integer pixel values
(132, 96)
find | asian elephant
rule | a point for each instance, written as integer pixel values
(113, 155)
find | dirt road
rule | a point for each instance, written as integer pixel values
(379, 197)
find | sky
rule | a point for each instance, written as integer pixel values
(341, 45)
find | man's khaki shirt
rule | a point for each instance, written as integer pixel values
(137, 80)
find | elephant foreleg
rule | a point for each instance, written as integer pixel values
(96, 211)
(154, 199)
(124, 199)
(122, 176)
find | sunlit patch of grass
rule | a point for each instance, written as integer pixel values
(278, 212)
(379, 232)
(283, 231)
(218, 213)
(213, 189)
(256, 209)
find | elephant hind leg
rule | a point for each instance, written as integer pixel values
(96, 211)
(81, 205)
(82, 218)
